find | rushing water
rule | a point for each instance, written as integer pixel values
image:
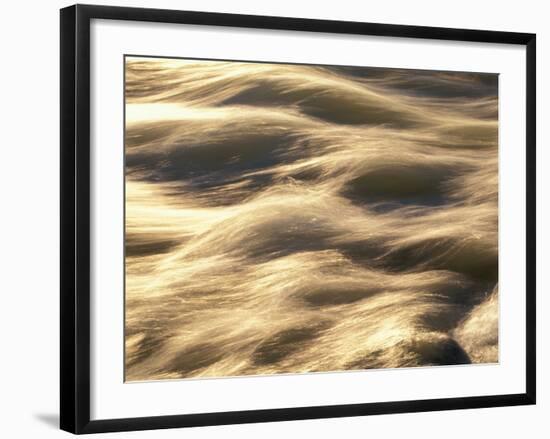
(285, 218)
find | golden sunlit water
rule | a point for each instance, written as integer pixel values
(290, 218)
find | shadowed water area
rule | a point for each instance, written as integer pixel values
(290, 218)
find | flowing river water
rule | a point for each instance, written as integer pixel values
(292, 218)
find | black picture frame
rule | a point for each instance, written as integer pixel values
(75, 217)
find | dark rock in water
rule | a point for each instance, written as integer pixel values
(441, 353)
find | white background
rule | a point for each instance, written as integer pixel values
(29, 182)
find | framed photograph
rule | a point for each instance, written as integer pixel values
(268, 218)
